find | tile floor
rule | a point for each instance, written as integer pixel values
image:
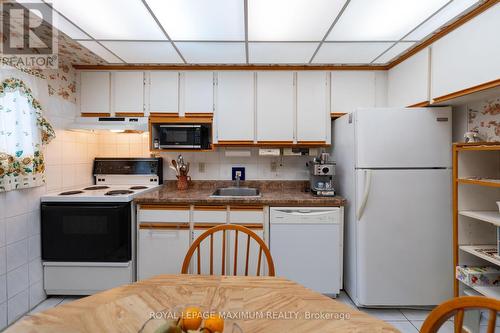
(405, 320)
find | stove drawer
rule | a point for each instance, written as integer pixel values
(163, 214)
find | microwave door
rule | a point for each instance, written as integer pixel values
(179, 136)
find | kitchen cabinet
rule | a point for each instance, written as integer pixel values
(351, 90)
(162, 251)
(95, 92)
(164, 237)
(253, 257)
(163, 92)
(275, 107)
(467, 56)
(408, 82)
(313, 116)
(197, 92)
(235, 106)
(128, 91)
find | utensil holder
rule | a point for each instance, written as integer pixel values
(183, 182)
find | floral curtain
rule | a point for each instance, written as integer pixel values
(23, 131)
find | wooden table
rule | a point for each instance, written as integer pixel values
(127, 308)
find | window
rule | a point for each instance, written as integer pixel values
(23, 130)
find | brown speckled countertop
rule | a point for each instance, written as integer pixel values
(273, 193)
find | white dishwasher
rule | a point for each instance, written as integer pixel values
(307, 246)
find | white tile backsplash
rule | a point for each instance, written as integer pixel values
(36, 294)
(17, 254)
(17, 306)
(17, 281)
(3, 260)
(35, 271)
(34, 247)
(3, 288)
(3, 315)
(16, 228)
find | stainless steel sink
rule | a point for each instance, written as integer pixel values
(236, 192)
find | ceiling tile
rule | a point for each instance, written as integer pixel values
(145, 52)
(68, 28)
(452, 10)
(349, 53)
(396, 50)
(112, 19)
(382, 20)
(201, 20)
(291, 20)
(281, 53)
(100, 51)
(212, 52)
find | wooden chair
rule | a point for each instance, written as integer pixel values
(456, 307)
(226, 228)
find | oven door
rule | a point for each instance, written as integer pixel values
(180, 136)
(94, 232)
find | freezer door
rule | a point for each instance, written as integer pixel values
(404, 237)
(412, 137)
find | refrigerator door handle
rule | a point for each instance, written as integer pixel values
(366, 192)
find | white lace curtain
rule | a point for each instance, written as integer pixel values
(23, 130)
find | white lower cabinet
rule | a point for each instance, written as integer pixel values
(162, 251)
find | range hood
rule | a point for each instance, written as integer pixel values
(114, 124)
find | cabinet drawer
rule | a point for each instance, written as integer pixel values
(246, 215)
(208, 214)
(164, 214)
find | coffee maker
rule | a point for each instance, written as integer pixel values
(321, 172)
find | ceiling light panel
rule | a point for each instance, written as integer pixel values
(291, 20)
(393, 52)
(201, 19)
(212, 53)
(382, 20)
(281, 53)
(111, 19)
(452, 10)
(100, 51)
(144, 52)
(349, 53)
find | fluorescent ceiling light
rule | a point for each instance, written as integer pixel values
(382, 20)
(144, 52)
(201, 20)
(349, 53)
(449, 12)
(393, 52)
(111, 19)
(281, 53)
(212, 53)
(291, 20)
(100, 51)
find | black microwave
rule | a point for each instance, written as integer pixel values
(181, 136)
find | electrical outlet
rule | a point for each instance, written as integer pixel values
(201, 167)
(238, 171)
(274, 166)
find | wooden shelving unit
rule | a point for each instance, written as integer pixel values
(476, 188)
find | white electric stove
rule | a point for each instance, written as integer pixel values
(88, 233)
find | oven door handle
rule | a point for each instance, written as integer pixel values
(84, 206)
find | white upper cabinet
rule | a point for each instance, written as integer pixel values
(95, 92)
(408, 82)
(352, 89)
(275, 106)
(313, 116)
(128, 91)
(197, 92)
(468, 56)
(164, 92)
(235, 107)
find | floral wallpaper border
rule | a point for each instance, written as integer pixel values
(484, 118)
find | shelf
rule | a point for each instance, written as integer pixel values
(482, 182)
(479, 146)
(493, 292)
(490, 216)
(472, 249)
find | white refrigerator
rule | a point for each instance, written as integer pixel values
(394, 169)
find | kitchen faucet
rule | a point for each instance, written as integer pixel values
(237, 178)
